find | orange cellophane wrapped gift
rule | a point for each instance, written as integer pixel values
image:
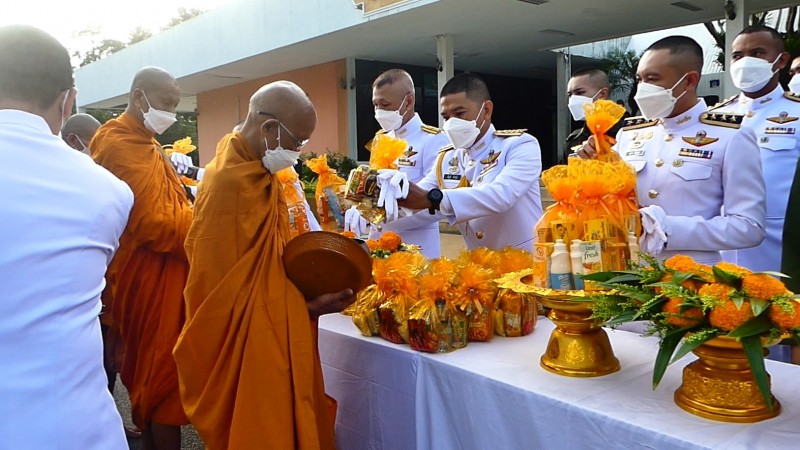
(597, 180)
(562, 186)
(365, 310)
(396, 278)
(328, 194)
(362, 188)
(183, 146)
(431, 320)
(515, 313)
(295, 202)
(601, 116)
(474, 294)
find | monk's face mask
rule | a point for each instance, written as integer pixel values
(279, 158)
(157, 120)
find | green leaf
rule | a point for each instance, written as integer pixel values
(726, 277)
(737, 300)
(758, 306)
(665, 350)
(625, 317)
(691, 345)
(774, 274)
(755, 355)
(753, 327)
(601, 277)
(625, 278)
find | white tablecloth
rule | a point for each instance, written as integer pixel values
(495, 396)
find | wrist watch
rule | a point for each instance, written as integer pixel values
(435, 196)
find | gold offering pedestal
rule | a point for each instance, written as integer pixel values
(720, 385)
(578, 346)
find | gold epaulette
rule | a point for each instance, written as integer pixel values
(634, 123)
(446, 148)
(509, 133)
(793, 96)
(725, 102)
(726, 120)
(430, 129)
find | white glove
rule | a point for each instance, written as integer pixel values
(180, 162)
(654, 237)
(393, 185)
(354, 222)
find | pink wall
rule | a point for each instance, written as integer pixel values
(219, 110)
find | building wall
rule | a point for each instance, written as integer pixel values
(219, 110)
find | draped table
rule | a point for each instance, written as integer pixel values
(495, 396)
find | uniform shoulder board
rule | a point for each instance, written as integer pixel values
(725, 102)
(793, 96)
(446, 148)
(430, 129)
(633, 123)
(509, 133)
(722, 119)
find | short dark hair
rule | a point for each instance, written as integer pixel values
(591, 71)
(689, 51)
(34, 66)
(765, 29)
(392, 76)
(470, 84)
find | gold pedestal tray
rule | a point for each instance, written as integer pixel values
(720, 385)
(578, 346)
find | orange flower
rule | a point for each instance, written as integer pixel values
(390, 241)
(785, 320)
(688, 318)
(727, 316)
(685, 264)
(348, 234)
(733, 268)
(718, 291)
(372, 244)
(762, 286)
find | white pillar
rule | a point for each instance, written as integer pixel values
(444, 57)
(563, 72)
(349, 84)
(732, 28)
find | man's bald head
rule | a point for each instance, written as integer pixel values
(79, 130)
(393, 90)
(282, 109)
(153, 87)
(588, 83)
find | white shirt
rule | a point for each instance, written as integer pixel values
(776, 122)
(61, 216)
(503, 203)
(692, 170)
(424, 143)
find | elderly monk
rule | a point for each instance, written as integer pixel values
(247, 358)
(79, 130)
(148, 275)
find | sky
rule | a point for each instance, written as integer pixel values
(113, 20)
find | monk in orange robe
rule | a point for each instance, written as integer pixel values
(247, 358)
(148, 273)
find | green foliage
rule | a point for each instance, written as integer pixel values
(755, 356)
(620, 65)
(184, 14)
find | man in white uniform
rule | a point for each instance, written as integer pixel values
(488, 181)
(62, 216)
(758, 57)
(690, 164)
(394, 100)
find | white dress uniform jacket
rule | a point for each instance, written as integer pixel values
(692, 166)
(500, 202)
(61, 216)
(775, 118)
(424, 143)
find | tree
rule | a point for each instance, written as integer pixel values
(184, 14)
(139, 34)
(620, 65)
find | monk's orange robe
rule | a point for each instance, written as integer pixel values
(148, 273)
(249, 371)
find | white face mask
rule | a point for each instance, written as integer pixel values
(655, 102)
(85, 149)
(390, 120)
(462, 133)
(576, 103)
(280, 158)
(157, 120)
(752, 74)
(794, 84)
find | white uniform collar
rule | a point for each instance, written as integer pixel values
(482, 144)
(24, 118)
(414, 123)
(687, 119)
(752, 104)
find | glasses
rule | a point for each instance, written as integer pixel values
(297, 142)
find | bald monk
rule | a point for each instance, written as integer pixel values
(247, 359)
(148, 274)
(79, 130)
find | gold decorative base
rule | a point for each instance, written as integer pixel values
(720, 386)
(578, 346)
